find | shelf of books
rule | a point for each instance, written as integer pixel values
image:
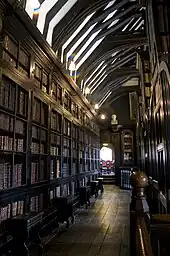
(39, 148)
(13, 132)
(81, 150)
(55, 145)
(74, 150)
(66, 161)
(46, 132)
(87, 166)
(13, 143)
(36, 203)
(127, 147)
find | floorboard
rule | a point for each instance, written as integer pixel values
(101, 230)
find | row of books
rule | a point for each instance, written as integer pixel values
(11, 210)
(17, 175)
(54, 121)
(7, 94)
(54, 169)
(8, 177)
(66, 142)
(36, 203)
(37, 110)
(73, 188)
(5, 175)
(74, 144)
(65, 190)
(34, 172)
(54, 151)
(55, 139)
(39, 133)
(66, 152)
(22, 102)
(19, 145)
(37, 171)
(74, 153)
(40, 112)
(6, 122)
(56, 192)
(81, 168)
(67, 127)
(66, 170)
(7, 97)
(36, 132)
(74, 132)
(74, 169)
(37, 148)
(20, 127)
(6, 143)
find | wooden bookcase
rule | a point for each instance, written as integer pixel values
(127, 147)
(49, 145)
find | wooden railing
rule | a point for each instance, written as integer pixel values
(139, 217)
(143, 245)
(149, 231)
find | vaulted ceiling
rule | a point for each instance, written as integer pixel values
(95, 40)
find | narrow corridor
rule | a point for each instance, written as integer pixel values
(101, 230)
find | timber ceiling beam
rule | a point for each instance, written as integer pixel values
(99, 22)
(74, 18)
(106, 49)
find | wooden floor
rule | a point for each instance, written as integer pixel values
(101, 230)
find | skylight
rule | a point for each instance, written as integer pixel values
(75, 34)
(109, 4)
(98, 84)
(97, 75)
(87, 44)
(31, 5)
(113, 23)
(110, 15)
(127, 24)
(141, 23)
(80, 40)
(56, 19)
(99, 78)
(89, 52)
(113, 54)
(105, 98)
(135, 23)
(114, 60)
(94, 71)
(46, 6)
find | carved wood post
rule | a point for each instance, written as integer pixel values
(138, 206)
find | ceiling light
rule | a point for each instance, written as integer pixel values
(72, 66)
(87, 90)
(103, 117)
(105, 144)
(96, 106)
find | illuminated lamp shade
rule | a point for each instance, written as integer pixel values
(96, 106)
(87, 90)
(36, 11)
(72, 66)
(103, 117)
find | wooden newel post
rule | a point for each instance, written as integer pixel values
(138, 206)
